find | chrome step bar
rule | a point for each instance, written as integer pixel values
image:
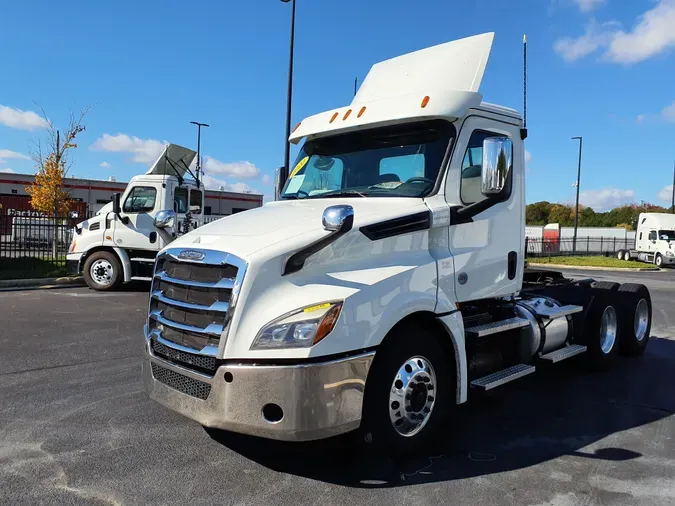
(140, 278)
(502, 377)
(497, 327)
(551, 313)
(143, 259)
(564, 353)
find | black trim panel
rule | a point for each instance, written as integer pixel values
(297, 260)
(295, 361)
(398, 226)
(447, 313)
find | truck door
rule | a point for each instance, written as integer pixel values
(487, 250)
(139, 207)
(651, 243)
(197, 206)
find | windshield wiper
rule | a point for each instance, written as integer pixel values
(340, 193)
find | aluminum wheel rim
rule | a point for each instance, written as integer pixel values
(412, 396)
(641, 319)
(626, 257)
(659, 261)
(608, 328)
(102, 272)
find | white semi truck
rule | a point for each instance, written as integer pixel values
(387, 283)
(654, 240)
(119, 244)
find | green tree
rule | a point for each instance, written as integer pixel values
(537, 213)
(560, 214)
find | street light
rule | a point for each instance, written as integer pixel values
(289, 98)
(199, 141)
(576, 211)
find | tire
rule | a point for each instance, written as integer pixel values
(601, 337)
(103, 271)
(392, 395)
(620, 254)
(635, 329)
(626, 256)
(658, 260)
(606, 285)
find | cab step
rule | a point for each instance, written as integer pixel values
(496, 327)
(564, 353)
(502, 377)
(551, 313)
(140, 278)
(143, 259)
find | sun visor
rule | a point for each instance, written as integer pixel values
(173, 161)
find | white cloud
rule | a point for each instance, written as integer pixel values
(640, 118)
(607, 198)
(666, 193)
(267, 179)
(241, 170)
(212, 183)
(668, 112)
(142, 150)
(23, 120)
(650, 35)
(105, 165)
(6, 154)
(589, 5)
(7, 170)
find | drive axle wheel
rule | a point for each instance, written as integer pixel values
(409, 393)
(635, 319)
(601, 337)
(102, 271)
(620, 254)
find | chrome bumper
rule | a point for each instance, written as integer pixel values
(318, 399)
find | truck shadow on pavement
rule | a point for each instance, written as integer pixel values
(554, 413)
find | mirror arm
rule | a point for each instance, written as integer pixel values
(460, 215)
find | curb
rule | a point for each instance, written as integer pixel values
(534, 265)
(44, 283)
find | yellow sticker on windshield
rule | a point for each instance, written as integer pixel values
(316, 308)
(299, 166)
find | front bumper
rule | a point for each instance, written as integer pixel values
(73, 263)
(668, 260)
(318, 400)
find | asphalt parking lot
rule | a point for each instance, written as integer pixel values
(76, 427)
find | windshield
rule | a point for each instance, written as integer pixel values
(667, 235)
(398, 161)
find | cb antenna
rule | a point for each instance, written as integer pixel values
(523, 131)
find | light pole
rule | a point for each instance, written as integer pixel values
(199, 142)
(576, 210)
(672, 204)
(289, 98)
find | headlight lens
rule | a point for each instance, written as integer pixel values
(669, 253)
(300, 329)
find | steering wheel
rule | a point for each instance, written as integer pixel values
(419, 180)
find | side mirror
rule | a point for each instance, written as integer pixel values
(497, 163)
(116, 204)
(73, 215)
(280, 178)
(165, 219)
(335, 217)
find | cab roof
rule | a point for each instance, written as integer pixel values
(437, 82)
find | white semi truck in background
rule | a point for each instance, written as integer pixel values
(387, 283)
(119, 244)
(654, 240)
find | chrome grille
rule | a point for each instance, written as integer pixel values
(190, 360)
(177, 381)
(191, 301)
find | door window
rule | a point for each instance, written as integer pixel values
(141, 199)
(470, 185)
(652, 235)
(196, 201)
(180, 200)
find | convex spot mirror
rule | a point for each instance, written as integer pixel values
(165, 219)
(497, 163)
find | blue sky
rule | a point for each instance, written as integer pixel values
(603, 69)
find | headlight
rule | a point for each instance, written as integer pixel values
(669, 253)
(300, 329)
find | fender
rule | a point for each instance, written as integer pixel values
(126, 263)
(454, 325)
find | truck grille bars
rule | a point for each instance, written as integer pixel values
(191, 301)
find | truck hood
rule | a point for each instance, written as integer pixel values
(245, 233)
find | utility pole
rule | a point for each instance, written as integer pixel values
(672, 204)
(576, 211)
(199, 142)
(356, 82)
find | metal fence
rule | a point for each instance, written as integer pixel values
(33, 246)
(585, 246)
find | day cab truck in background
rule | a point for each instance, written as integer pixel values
(119, 244)
(654, 240)
(387, 283)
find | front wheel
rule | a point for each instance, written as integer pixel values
(409, 394)
(658, 260)
(102, 271)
